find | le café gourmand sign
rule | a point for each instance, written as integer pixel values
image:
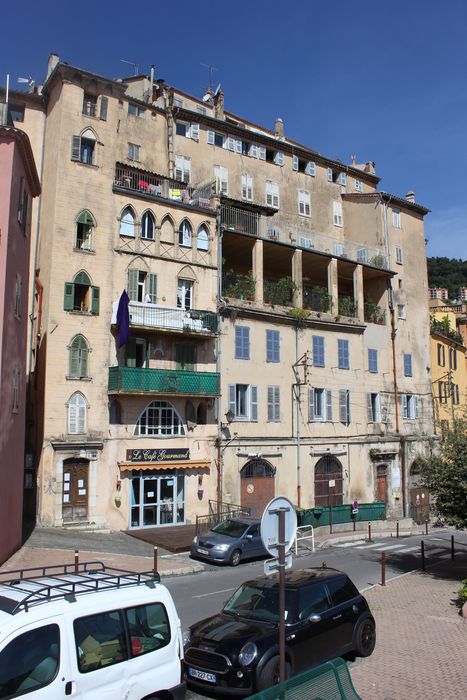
(169, 455)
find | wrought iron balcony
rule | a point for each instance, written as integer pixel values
(152, 185)
(139, 380)
(190, 321)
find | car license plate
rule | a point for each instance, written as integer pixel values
(202, 675)
(202, 551)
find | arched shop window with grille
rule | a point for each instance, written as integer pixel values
(327, 471)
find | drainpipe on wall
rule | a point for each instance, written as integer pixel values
(220, 456)
(297, 399)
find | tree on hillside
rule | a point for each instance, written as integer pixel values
(445, 475)
(444, 272)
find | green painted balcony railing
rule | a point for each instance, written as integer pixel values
(138, 380)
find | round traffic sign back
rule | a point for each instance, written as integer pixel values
(270, 524)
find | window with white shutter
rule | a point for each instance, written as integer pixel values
(274, 408)
(185, 234)
(319, 404)
(344, 406)
(247, 187)
(261, 152)
(310, 168)
(127, 222)
(374, 408)
(182, 168)
(279, 158)
(396, 218)
(243, 401)
(304, 206)
(272, 194)
(222, 176)
(337, 214)
(399, 255)
(358, 186)
(77, 414)
(295, 163)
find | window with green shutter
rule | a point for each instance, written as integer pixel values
(185, 356)
(95, 295)
(78, 357)
(68, 298)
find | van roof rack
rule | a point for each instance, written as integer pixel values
(21, 589)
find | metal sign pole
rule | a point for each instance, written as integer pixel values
(282, 594)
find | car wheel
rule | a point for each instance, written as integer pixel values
(365, 637)
(235, 557)
(270, 674)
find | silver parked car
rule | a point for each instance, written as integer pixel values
(229, 542)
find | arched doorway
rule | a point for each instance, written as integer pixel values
(256, 485)
(75, 490)
(328, 469)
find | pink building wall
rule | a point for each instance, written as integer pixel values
(17, 170)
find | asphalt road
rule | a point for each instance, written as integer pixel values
(200, 595)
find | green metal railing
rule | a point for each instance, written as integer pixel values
(318, 517)
(330, 681)
(136, 380)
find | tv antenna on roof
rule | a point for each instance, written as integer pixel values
(29, 81)
(210, 68)
(132, 63)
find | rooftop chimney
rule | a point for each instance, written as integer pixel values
(54, 59)
(279, 128)
(410, 197)
(370, 167)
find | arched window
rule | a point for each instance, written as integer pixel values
(84, 231)
(127, 222)
(185, 234)
(202, 240)
(160, 419)
(80, 295)
(147, 226)
(326, 470)
(77, 414)
(78, 357)
(257, 468)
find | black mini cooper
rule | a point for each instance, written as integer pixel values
(237, 650)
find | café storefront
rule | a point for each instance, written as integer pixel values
(159, 482)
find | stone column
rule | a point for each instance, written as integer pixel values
(297, 277)
(333, 288)
(358, 292)
(258, 270)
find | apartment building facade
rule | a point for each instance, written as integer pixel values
(19, 185)
(275, 339)
(448, 361)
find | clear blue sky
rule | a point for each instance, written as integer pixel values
(386, 81)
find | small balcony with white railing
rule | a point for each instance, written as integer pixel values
(149, 316)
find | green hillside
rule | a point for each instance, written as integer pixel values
(449, 273)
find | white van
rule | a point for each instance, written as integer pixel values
(88, 632)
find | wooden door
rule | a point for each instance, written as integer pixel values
(256, 486)
(382, 483)
(75, 490)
